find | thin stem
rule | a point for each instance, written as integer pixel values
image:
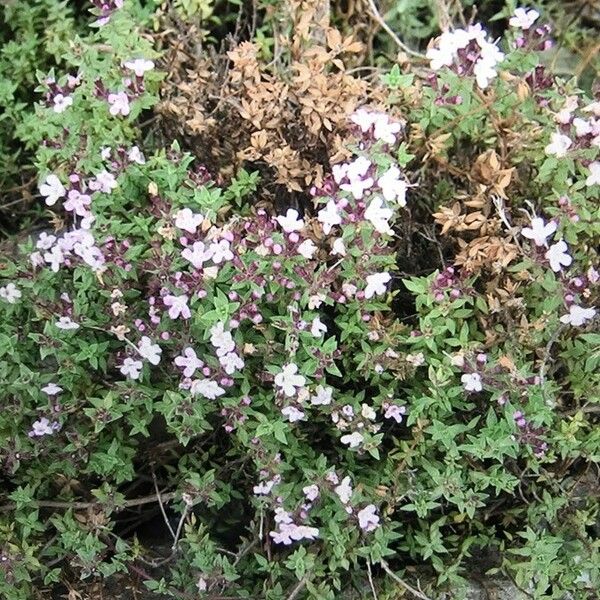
(375, 14)
(162, 508)
(406, 586)
(370, 575)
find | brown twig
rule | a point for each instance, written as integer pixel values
(406, 586)
(375, 14)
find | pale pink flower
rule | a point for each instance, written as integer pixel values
(104, 182)
(149, 350)
(386, 129)
(231, 362)
(119, 104)
(311, 492)
(221, 251)
(45, 241)
(523, 18)
(135, 155)
(368, 520)
(178, 306)
(61, 103)
(43, 427)
(292, 413)
(139, 66)
(131, 368)
(188, 220)
(197, 255)
(393, 411)
(338, 247)
(189, 361)
(77, 202)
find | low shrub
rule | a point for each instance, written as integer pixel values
(399, 373)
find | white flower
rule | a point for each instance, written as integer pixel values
(485, 67)
(131, 368)
(104, 182)
(290, 222)
(10, 293)
(178, 306)
(564, 115)
(376, 284)
(352, 439)
(385, 129)
(558, 256)
(264, 487)
(52, 189)
(55, 258)
(135, 155)
(338, 247)
(198, 254)
(139, 66)
(368, 520)
(317, 328)
(316, 300)
(559, 144)
(392, 187)
(379, 216)
(151, 352)
(594, 177)
(364, 119)
(307, 249)
(472, 382)
(292, 413)
(355, 172)
(393, 411)
(311, 492)
(367, 412)
(329, 216)
(339, 172)
(578, 315)
(221, 251)
(582, 127)
(322, 396)
(288, 380)
(539, 231)
(344, 490)
(45, 241)
(523, 18)
(66, 323)
(207, 388)
(43, 427)
(221, 339)
(119, 104)
(188, 220)
(61, 103)
(52, 389)
(189, 361)
(231, 362)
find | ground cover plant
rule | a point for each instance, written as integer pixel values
(297, 308)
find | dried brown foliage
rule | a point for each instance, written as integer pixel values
(285, 118)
